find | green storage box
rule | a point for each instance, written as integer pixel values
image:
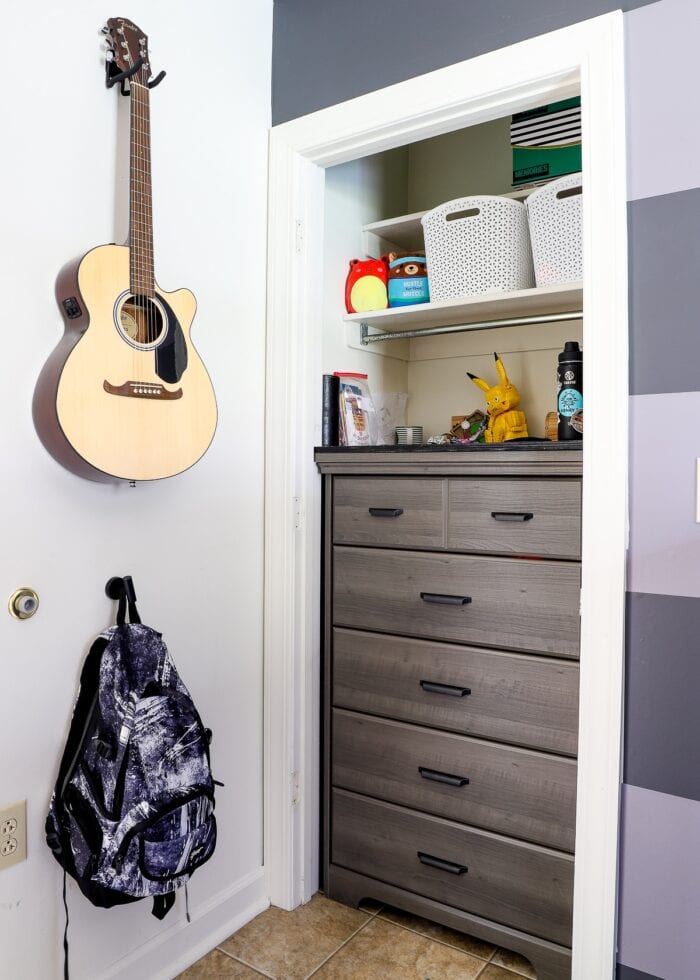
(546, 142)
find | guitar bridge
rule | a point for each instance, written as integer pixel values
(142, 389)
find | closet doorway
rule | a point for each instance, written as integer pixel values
(586, 59)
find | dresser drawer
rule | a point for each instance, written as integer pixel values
(515, 516)
(501, 602)
(521, 885)
(510, 697)
(390, 512)
(508, 790)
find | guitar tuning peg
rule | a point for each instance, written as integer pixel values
(104, 30)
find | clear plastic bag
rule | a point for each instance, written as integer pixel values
(390, 407)
(358, 419)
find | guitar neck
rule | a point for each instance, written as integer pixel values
(140, 195)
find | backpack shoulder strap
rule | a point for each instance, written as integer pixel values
(89, 684)
(123, 589)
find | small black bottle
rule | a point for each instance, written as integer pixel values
(570, 392)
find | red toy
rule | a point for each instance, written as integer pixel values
(366, 286)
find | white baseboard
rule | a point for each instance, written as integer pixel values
(172, 951)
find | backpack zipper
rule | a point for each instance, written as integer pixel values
(78, 751)
(119, 782)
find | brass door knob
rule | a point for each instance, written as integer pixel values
(23, 603)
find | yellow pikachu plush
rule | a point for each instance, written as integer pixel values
(502, 401)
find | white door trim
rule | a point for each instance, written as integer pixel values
(546, 68)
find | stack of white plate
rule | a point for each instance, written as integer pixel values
(409, 435)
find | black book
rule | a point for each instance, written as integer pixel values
(330, 410)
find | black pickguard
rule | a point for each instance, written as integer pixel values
(171, 355)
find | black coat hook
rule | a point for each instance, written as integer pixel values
(121, 588)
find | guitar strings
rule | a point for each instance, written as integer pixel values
(140, 217)
(144, 257)
(148, 212)
(140, 213)
(133, 221)
(142, 276)
(147, 218)
(137, 259)
(133, 217)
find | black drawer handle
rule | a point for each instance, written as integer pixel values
(386, 511)
(442, 777)
(432, 687)
(504, 515)
(445, 600)
(454, 869)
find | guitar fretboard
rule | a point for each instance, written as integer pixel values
(140, 210)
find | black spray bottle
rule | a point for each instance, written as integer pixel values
(570, 392)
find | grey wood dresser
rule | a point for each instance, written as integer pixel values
(450, 705)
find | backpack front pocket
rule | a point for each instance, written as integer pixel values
(162, 859)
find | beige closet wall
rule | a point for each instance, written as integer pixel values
(440, 387)
(432, 370)
(465, 163)
(468, 161)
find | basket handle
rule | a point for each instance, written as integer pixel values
(569, 192)
(458, 215)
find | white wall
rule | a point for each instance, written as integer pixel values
(194, 543)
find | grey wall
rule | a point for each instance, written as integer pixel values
(327, 51)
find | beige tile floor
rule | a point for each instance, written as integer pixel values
(329, 941)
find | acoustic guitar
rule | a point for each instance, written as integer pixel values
(124, 395)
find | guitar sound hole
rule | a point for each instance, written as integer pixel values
(141, 321)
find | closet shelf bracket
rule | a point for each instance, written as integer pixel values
(367, 338)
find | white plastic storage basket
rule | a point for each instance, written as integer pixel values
(477, 245)
(554, 216)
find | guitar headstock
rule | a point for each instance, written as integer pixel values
(129, 47)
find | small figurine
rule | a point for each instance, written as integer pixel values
(502, 400)
(468, 428)
(365, 286)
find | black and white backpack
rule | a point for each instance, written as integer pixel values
(132, 813)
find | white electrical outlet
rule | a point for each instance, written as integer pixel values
(13, 834)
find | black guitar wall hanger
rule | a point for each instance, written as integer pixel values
(157, 80)
(114, 76)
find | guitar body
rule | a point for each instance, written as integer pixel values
(124, 395)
